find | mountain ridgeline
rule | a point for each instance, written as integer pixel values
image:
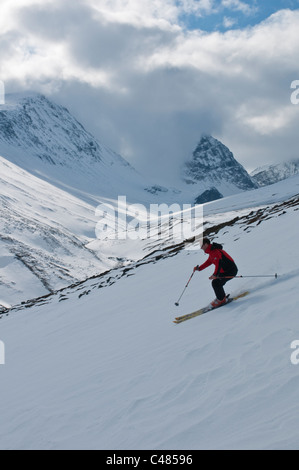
(271, 174)
(44, 138)
(48, 131)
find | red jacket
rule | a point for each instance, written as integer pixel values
(217, 257)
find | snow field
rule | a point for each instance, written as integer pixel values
(111, 370)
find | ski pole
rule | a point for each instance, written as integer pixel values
(177, 303)
(233, 277)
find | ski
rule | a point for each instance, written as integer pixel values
(207, 309)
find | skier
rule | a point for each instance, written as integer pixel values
(224, 266)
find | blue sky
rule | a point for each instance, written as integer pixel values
(235, 14)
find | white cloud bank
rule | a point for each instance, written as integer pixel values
(148, 87)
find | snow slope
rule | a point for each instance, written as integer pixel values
(43, 233)
(101, 365)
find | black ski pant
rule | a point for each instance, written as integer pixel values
(218, 283)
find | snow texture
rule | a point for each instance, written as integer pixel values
(100, 365)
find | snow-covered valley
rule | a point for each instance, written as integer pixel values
(100, 365)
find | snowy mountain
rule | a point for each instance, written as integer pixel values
(53, 175)
(210, 173)
(100, 365)
(44, 139)
(270, 174)
(215, 172)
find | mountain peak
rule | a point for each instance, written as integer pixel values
(47, 130)
(213, 164)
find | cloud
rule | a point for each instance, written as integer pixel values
(200, 7)
(149, 12)
(147, 87)
(238, 5)
(229, 22)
